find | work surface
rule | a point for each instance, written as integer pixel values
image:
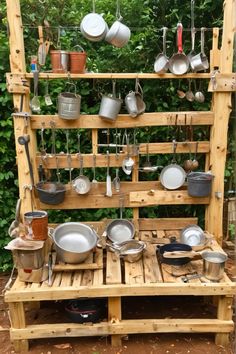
(114, 277)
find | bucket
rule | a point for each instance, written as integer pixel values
(36, 225)
(59, 61)
(78, 61)
(199, 184)
(69, 104)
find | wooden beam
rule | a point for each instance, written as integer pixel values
(218, 136)
(124, 120)
(122, 327)
(108, 75)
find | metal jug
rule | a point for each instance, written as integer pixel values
(69, 104)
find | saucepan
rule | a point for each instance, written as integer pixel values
(93, 27)
(179, 62)
(110, 105)
(131, 251)
(120, 230)
(200, 62)
(74, 241)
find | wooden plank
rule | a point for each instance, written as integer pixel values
(158, 197)
(98, 274)
(116, 161)
(134, 272)
(114, 316)
(77, 277)
(177, 325)
(87, 277)
(62, 293)
(165, 223)
(113, 268)
(66, 279)
(223, 83)
(17, 320)
(152, 271)
(124, 120)
(109, 75)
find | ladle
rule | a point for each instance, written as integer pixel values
(195, 163)
(189, 94)
(199, 96)
(94, 181)
(147, 164)
(108, 178)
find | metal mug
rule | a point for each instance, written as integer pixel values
(36, 225)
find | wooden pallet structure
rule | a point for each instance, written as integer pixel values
(110, 277)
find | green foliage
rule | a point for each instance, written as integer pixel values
(145, 18)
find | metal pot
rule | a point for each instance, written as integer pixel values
(118, 35)
(74, 241)
(120, 230)
(213, 265)
(131, 251)
(51, 192)
(93, 26)
(69, 104)
(200, 62)
(199, 184)
(110, 105)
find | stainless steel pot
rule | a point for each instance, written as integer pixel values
(213, 265)
(192, 235)
(131, 251)
(74, 241)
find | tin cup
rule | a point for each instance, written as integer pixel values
(36, 225)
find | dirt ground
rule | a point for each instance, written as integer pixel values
(145, 307)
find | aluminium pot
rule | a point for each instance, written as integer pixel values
(199, 184)
(130, 251)
(74, 241)
(213, 265)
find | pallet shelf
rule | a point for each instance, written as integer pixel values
(147, 277)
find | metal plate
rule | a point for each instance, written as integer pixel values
(172, 176)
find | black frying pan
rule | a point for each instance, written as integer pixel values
(174, 246)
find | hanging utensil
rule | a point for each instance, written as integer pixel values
(188, 164)
(179, 63)
(82, 183)
(24, 140)
(116, 181)
(108, 178)
(193, 33)
(189, 94)
(128, 162)
(161, 64)
(47, 97)
(195, 163)
(68, 155)
(42, 50)
(35, 103)
(94, 181)
(199, 95)
(200, 61)
(147, 163)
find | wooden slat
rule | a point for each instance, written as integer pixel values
(66, 279)
(98, 274)
(134, 272)
(123, 327)
(113, 269)
(87, 278)
(125, 121)
(143, 198)
(109, 75)
(152, 272)
(101, 159)
(165, 223)
(77, 277)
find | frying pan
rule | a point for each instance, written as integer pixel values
(172, 247)
(179, 62)
(173, 176)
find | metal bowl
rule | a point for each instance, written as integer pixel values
(192, 235)
(51, 192)
(120, 230)
(74, 241)
(131, 251)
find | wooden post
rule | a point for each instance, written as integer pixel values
(224, 312)
(18, 66)
(114, 314)
(17, 319)
(218, 137)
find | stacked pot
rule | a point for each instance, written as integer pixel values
(74, 61)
